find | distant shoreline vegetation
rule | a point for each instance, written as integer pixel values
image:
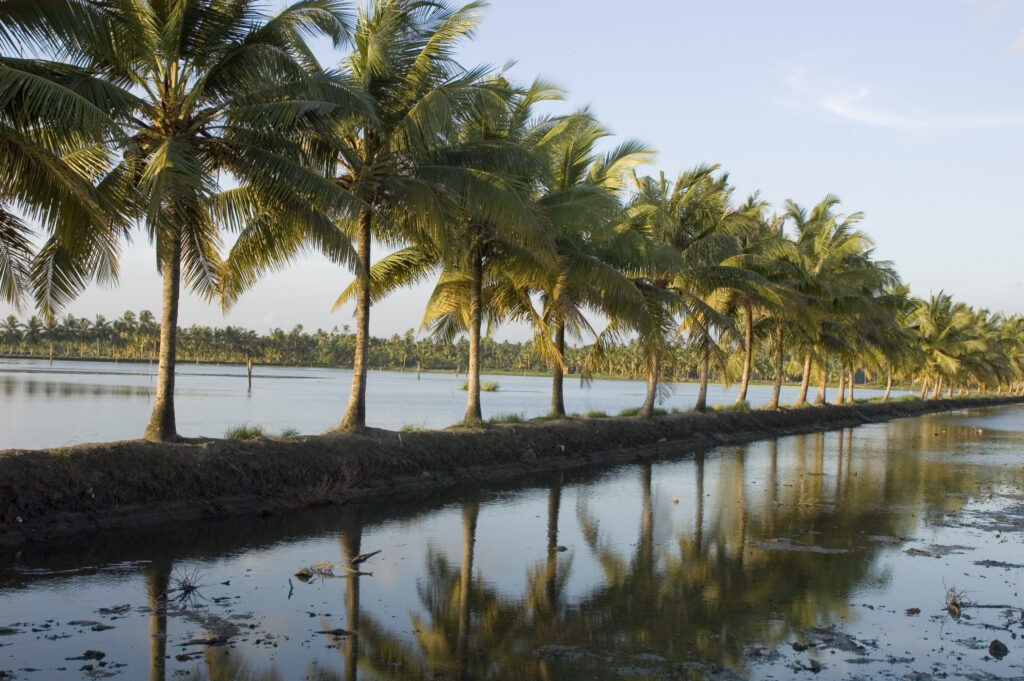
(134, 337)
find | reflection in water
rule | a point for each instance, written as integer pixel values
(768, 539)
(158, 577)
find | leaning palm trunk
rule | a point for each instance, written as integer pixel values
(842, 386)
(805, 382)
(924, 387)
(748, 352)
(557, 376)
(473, 413)
(823, 388)
(355, 413)
(888, 386)
(853, 373)
(161, 426)
(938, 387)
(773, 403)
(653, 369)
(702, 394)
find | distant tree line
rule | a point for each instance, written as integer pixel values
(136, 337)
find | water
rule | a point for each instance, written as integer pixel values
(74, 402)
(711, 566)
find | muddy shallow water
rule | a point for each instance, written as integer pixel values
(831, 555)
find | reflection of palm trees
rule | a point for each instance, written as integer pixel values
(158, 577)
(351, 540)
(470, 513)
(470, 632)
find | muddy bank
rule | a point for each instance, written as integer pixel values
(52, 493)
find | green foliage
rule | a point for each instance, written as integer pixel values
(485, 387)
(635, 411)
(597, 414)
(245, 432)
(507, 418)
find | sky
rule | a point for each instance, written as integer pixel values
(910, 112)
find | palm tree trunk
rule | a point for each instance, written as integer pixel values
(888, 386)
(557, 376)
(805, 382)
(924, 387)
(853, 374)
(938, 387)
(647, 410)
(355, 413)
(841, 395)
(702, 393)
(748, 352)
(773, 403)
(823, 388)
(473, 414)
(161, 426)
(470, 511)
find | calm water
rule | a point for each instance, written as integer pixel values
(711, 566)
(73, 402)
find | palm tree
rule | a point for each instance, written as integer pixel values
(10, 332)
(486, 254)
(214, 82)
(695, 219)
(835, 269)
(580, 202)
(390, 163)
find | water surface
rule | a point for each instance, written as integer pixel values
(73, 402)
(779, 559)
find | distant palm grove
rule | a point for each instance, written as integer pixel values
(212, 128)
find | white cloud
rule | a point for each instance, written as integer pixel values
(856, 104)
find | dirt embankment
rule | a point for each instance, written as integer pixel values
(59, 492)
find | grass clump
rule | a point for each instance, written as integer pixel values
(485, 387)
(743, 406)
(250, 432)
(245, 432)
(414, 427)
(596, 414)
(905, 398)
(635, 411)
(507, 418)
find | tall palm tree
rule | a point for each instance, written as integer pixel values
(835, 267)
(210, 85)
(580, 202)
(392, 163)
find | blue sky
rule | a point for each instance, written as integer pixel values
(912, 112)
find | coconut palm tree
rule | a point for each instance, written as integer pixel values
(211, 85)
(581, 205)
(396, 163)
(836, 271)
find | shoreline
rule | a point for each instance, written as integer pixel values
(46, 495)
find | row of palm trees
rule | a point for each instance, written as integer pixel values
(196, 119)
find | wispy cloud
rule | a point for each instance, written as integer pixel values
(857, 105)
(1017, 46)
